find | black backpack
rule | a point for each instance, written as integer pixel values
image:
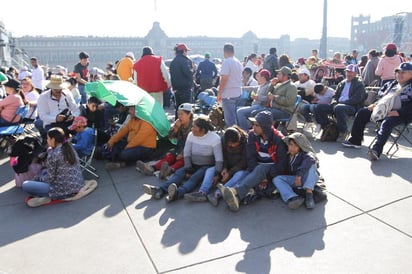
(330, 133)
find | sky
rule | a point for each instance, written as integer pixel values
(181, 18)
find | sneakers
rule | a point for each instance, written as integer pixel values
(229, 195)
(114, 165)
(154, 191)
(172, 191)
(38, 201)
(196, 197)
(146, 169)
(165, 170)
(309, 127)
(342, 137)
(373, 155)
(295, 202)
(350, 144)
(213, 199)
(309, 202)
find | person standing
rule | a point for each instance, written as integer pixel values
(230, 84)
(37, 75)
(181, 73)
(125, 67)
(271, 62)
(151, 74)
(82, 74)
(206, 72)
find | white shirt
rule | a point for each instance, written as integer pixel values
(37, 77)
(49, 107)
(32, 97)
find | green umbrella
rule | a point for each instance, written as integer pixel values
(3, 78)
(128, 94)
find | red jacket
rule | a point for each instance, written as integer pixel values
(149, 74)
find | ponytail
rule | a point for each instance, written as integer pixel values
(69, 154)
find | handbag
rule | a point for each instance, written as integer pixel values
(384, 105)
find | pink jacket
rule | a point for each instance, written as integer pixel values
(386, 67)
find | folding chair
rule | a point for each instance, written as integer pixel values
(9, 133)
(399, 131)
(86, 161)
(284, 123)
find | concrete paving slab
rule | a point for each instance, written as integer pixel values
(358, 245)
(183, 233)
(91, 235)
(395, 214)
(367, 185)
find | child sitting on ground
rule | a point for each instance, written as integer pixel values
(173, 160)
(83, 141)
(302, 172)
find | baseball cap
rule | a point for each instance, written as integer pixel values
(79, 121)
(391, 46)
(130, 54)
(304, 71)
(404, 67)
(186, 106)
(182, 47)
(285, 70)
(352, 68)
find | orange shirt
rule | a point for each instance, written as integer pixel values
(125, 69)
(139, 133)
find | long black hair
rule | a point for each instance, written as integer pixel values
(59, 137)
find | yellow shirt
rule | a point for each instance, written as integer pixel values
(139, 133)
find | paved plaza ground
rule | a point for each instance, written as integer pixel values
(364, 227)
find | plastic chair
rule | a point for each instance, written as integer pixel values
(9, 133)
(86, 161)
(284, 122)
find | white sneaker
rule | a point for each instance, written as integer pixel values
(309, 127)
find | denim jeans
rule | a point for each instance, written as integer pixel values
(83, 95)
(384, 132)
(258, 174)
(234, 181)
(306, 110)
(278, 114)
(244, 113)
(229, 110)
(188, 186)
(341, 112)
(183, 96)
(120, 153)
(36, 188)
(284, 183)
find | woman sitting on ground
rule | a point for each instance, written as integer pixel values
(63, 177)
(203, 149)
(234, 143)
(174, 159)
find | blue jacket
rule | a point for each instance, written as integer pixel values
(181, 73)
(206, 70)
(277, 150)
(84, 142)
(300, 164)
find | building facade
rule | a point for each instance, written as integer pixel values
(64, 50)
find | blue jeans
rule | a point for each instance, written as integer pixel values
(233, 182)
(244, 113)
(284, 183)
(83, 95)
(188, 186)
(278, 114)
(258, 174)
(132, 154)
(306, 110)
(229, 106)
(341, 112)
(36, 188)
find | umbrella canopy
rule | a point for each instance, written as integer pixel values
(128, 94)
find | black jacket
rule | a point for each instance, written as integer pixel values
(181, 73)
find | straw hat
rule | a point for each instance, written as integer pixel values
(56, 82)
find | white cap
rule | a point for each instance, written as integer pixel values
(304, 71)
(130, 54)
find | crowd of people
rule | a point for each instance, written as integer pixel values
(249, 158)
